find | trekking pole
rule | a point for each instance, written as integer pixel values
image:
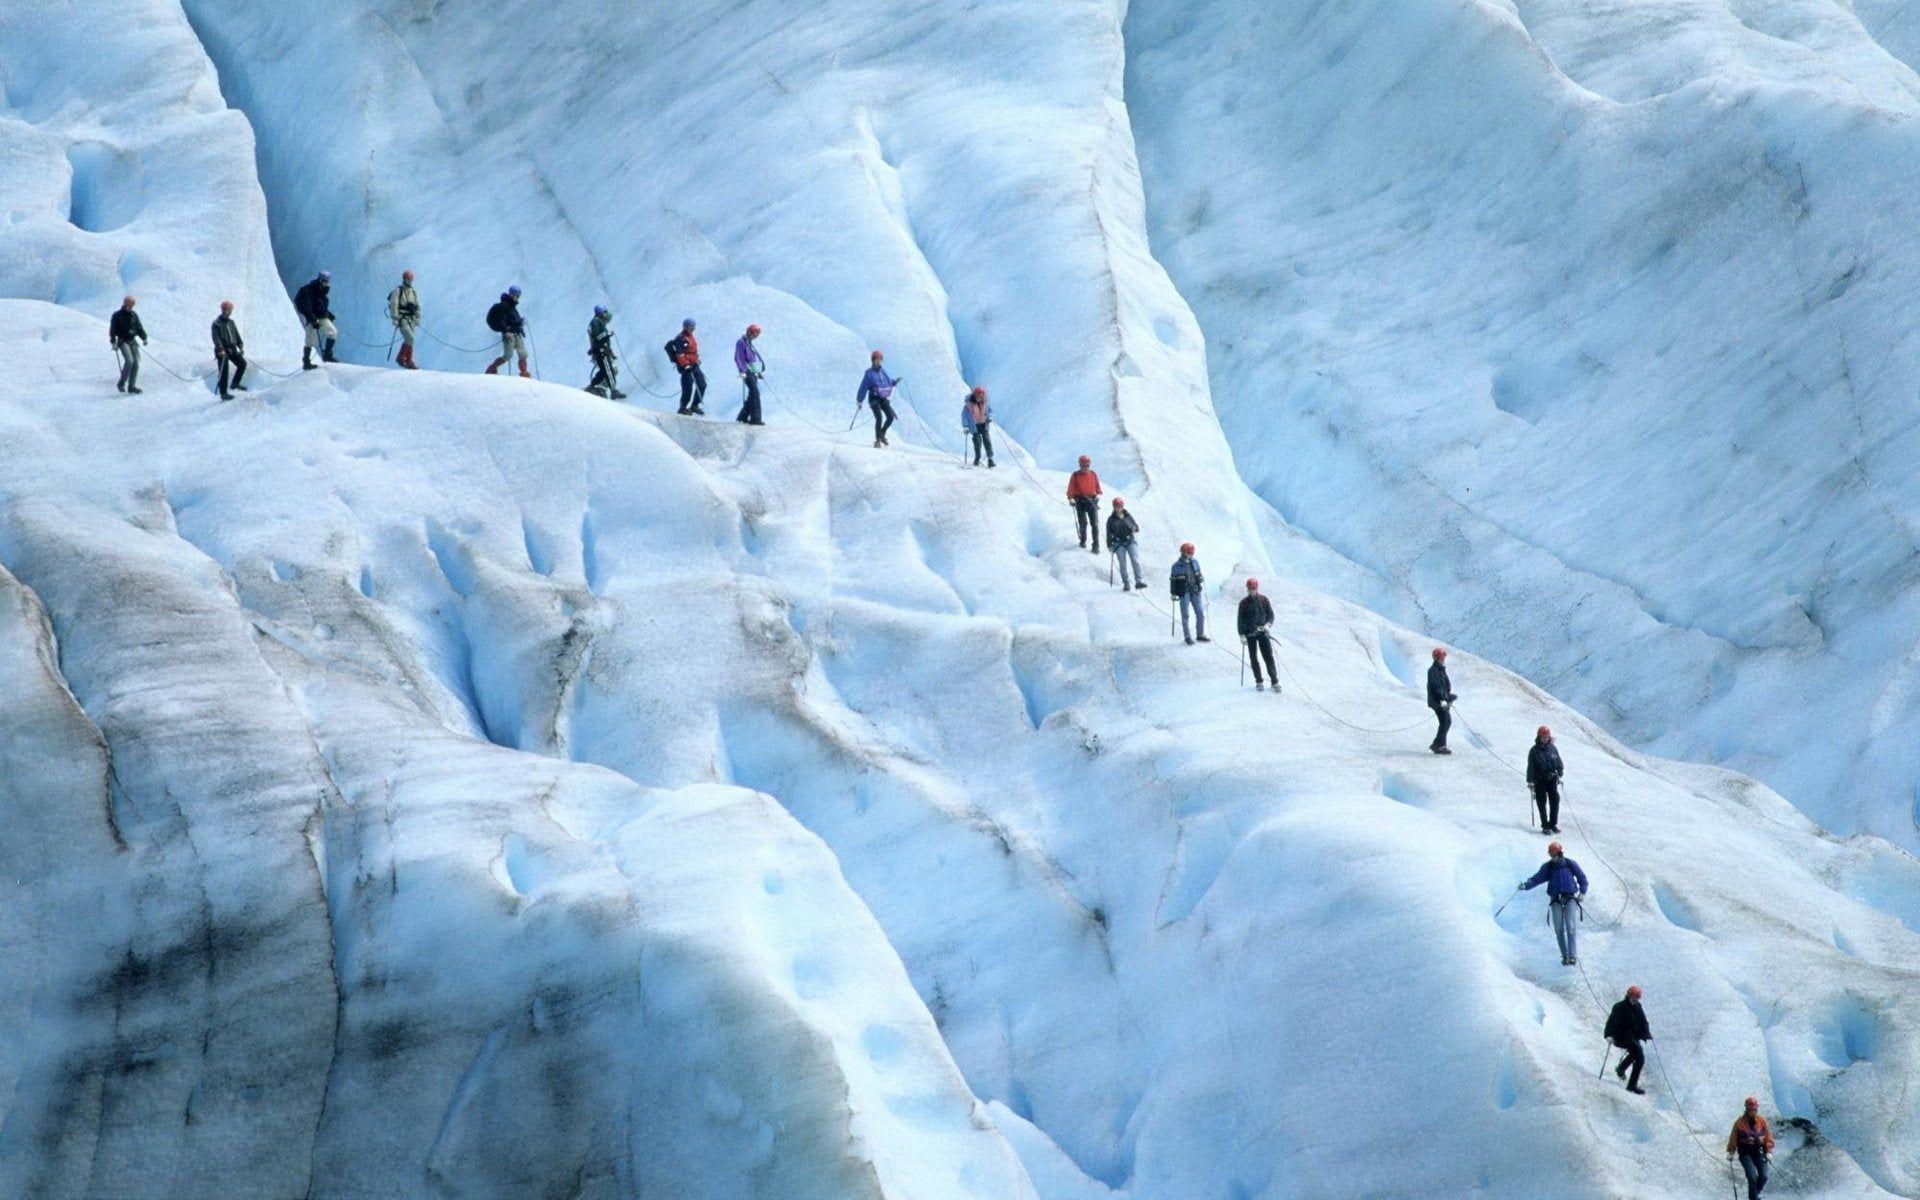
(1111, 555)
(856, 418)
(1603, 1062)
(1509, 900)
(1243, 662)
(390, 338)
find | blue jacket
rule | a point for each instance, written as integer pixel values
(1562, 876)
(876, 382)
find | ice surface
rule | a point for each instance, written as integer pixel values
(469, 713)
(1583, 328)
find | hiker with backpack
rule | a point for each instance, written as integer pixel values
(1083, 492)
(876, 389)
(976, 420)
(1185, 582)
(504, 319)
(606, 364)
(683, 351)
(1752, 1143)
(1122, 530)
(1627, 1028)
(316, 318)
(1256, 619)
(1566, 888)
(1440, 699)
(403, 309)
(1544, 769)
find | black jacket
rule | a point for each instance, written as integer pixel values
(505, 317)
(125, 324)
(1543, 764)
(226, 336)
(1627, 1023)
(1256, 612)
(311, 301)
(1439, 687)
(1120, 528)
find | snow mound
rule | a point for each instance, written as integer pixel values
(435, 838)
(125, 172)
(1582, 327)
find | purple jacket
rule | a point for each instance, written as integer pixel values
(746, 359)
(875, 382)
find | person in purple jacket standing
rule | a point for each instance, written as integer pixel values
(876, 387)
(752, 368)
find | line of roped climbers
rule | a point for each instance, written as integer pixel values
(1751, 1142)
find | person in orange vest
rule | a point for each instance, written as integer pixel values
(1083, 492)
(1752, 1143)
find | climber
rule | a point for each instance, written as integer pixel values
(1627, 1028)
(229, 350)
(1185, 582)
(606, 364)
(1121, 530)
(311, 302)
(1440, 699)
(684, 352)
(1543, 776)
(1256, 618)
(976, 421)
(504, 319)
(1752, 1142)
(1566, 887)
(876, 386)
(123, 328)
(753, 369)
(1083, 492)
(403, 309)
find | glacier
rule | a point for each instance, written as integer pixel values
(428, 784)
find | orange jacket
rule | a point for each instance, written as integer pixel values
(1758, 1131)
(1082, 483)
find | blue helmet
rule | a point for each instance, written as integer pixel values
(514, 290)
(599, 310)
(687, 324)
(324, 275)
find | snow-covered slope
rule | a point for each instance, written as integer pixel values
(439, 732)
(1586, 328)
(123, 171)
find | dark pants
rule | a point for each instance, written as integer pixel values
(1446, 722)
(236, 360)
(606, 374)
(982, 440)
(1262, 644)
(1754, 1164)
(1546, 798)
(750, 407)
(882, 417)
(693, 388)
(1631, 1062)
(1086, 517)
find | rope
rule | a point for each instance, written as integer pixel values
(150, 356)
(449, 345)
(643, 387)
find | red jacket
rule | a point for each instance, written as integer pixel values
(1754, 1135)
(1082, 483)
(686, 349)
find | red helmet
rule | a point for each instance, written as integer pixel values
(1439, 652)
(1541, 733)
(753, 331)
(877, 356)
(1085, 461)
(1119, 503)
(226, 306)
(1555, 848)
(1186, 547)
(1253, 585)
(980, 391)
(1633, 993)
(1752, 1102)
(407, 276)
